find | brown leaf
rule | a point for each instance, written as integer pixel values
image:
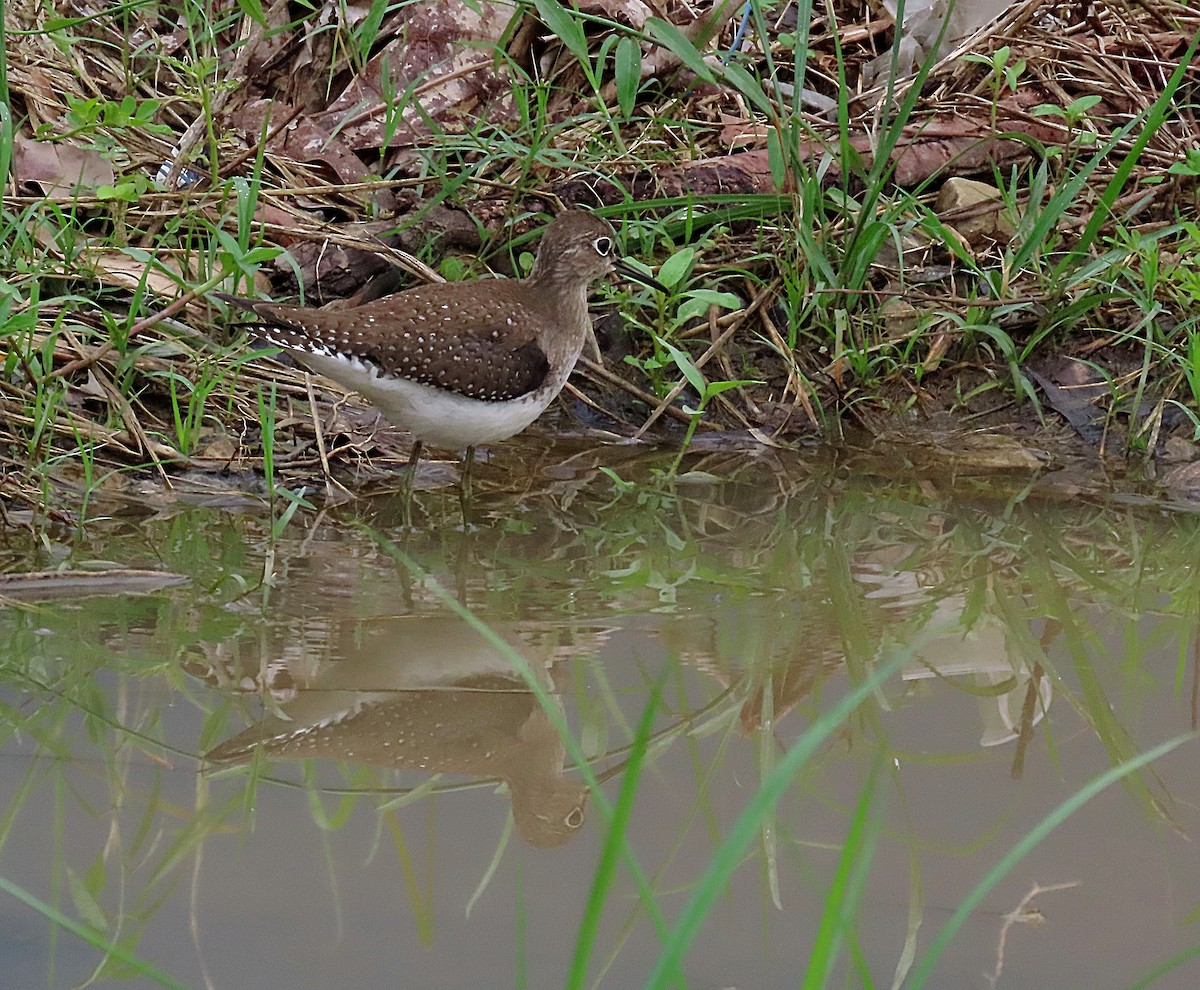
(968, 453)
(737, 133)
(119, 269)
(57, 170)
(1177, 450)
(306, 139)
(1075, 399)
(1184, 480)
(937, 350)
(632, 13)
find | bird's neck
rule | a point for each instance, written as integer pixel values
(566, 303)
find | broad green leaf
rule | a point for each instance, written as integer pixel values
(716, 388)
(683, 361)
(565, 25)
(628, 73)
(711, 297)
(748, 86)
(673, 40)
(1082, 105)
(697, 301)
(676, 267)
(254, 10)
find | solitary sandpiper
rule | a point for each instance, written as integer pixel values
(463, 363)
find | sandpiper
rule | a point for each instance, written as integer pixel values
(458, 364)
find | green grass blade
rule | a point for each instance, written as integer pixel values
(556, 717)
(671, 38)
(846, 888)
(1163, 968)
(1155, 117)
(730, 852)
(610, 855)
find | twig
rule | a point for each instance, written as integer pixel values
(1022, 914)
(601, 372)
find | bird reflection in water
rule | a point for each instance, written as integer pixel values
(427, 694)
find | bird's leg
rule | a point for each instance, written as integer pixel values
(410, 475)
(464, 490)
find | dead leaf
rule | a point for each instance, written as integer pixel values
(738, 133)
(127, 272)
(304, 139)
(57, 170)
(1177, 450)
(1183, 480)
(632, 13)
(937, 350)
(91, 387)
(1075, 400)
(967, 453)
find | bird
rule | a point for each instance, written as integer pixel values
(464, 363)
(428, 693)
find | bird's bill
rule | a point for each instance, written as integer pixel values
(626, 270)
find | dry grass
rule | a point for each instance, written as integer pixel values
(105, 290)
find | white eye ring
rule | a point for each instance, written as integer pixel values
(603, 246)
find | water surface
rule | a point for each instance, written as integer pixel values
(306, 767)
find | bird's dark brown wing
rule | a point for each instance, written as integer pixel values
(483, 346)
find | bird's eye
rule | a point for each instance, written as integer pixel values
(603, 246)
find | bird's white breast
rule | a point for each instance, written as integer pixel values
(441, 418)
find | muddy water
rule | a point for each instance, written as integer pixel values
(306, 768)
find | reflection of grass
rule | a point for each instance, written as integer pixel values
(92, 936)
(974, 898)
(91, 721)
(769, 595)
(728, 855)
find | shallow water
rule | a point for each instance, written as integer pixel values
(307, 768)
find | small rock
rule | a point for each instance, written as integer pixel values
(980, 224)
